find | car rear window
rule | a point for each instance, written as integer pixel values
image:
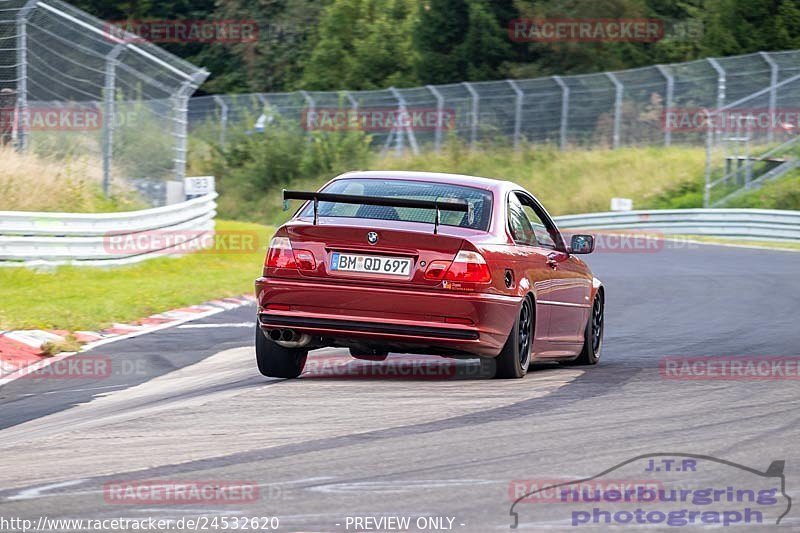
(479, 200)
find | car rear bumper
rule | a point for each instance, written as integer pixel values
(472, 323)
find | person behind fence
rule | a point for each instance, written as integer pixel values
(267, 117)
(8, 102)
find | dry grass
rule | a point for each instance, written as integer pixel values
(32, 183)
(70, 343)
(579, 181)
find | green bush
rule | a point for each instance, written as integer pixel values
(143, 146)
(253, 166)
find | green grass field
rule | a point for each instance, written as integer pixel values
(89, 298)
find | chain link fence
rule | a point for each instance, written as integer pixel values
(752, 140)
(76, 88)
(612, 109)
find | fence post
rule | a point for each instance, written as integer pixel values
(109, 112)
(709, 145)
(403, 117)
(669, 97)
(720, 81)
(181, 114)
(353, 101)
(773, 92)
(564, 111)
(437, 143)
(179, 110)
(312, 106)
(22, 77)
(617, 108)
(517, 112)
(473, 136)
(223, 118)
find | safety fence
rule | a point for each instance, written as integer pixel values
(77, 88)
(657, 105)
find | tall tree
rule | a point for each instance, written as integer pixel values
(485, 47)
(362, 44)
(439, 30)
(787, 26)
(286, 37)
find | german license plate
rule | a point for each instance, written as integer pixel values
(376, 264)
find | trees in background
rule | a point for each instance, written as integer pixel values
(362, 44)
(366, 44)
(458, 40)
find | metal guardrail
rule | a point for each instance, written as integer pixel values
(756, 224)
(51, 239)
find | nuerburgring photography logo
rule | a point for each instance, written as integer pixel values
(671, 489)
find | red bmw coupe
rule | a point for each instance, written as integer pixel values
(417, 262)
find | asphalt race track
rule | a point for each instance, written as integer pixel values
(187, 404)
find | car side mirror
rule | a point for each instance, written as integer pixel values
(581, 244)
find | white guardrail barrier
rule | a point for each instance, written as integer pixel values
(44, 239)
(50, 239)
(752, 224)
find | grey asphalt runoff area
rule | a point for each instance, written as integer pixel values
(448, 449)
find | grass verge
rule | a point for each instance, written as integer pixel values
(90, 298)
(777, 245)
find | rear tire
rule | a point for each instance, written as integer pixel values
(515, 357)
(276, 361)
(593, 336)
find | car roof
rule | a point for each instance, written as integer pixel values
(437, 177)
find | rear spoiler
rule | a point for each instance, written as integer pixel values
(317, 197)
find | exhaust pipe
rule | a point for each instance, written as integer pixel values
(289, 338)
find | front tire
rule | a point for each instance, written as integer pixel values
(276, 361)
(593, 336)
(515, 357)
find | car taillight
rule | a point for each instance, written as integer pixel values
(437, 270)
(467, 266)
(281, 255)
(305, 260)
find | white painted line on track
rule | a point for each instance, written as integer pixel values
(223, 325)
(8, 378)
(36, 492)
